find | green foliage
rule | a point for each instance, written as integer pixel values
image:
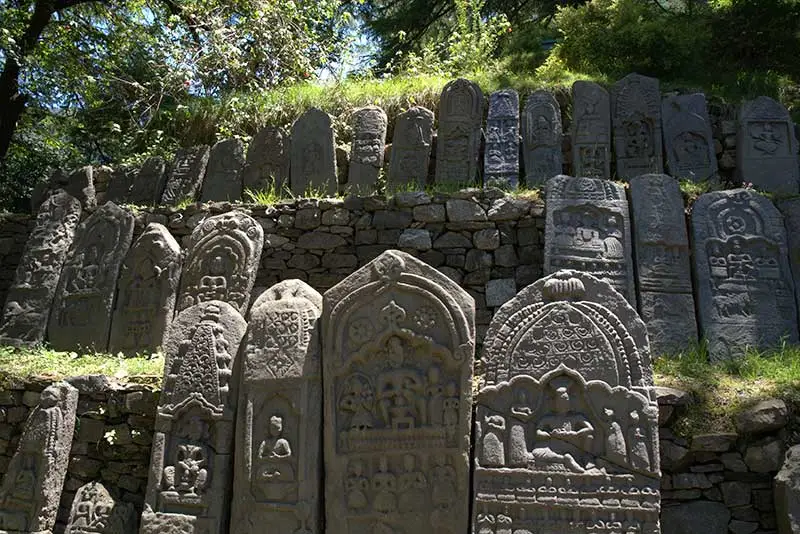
(266, 197)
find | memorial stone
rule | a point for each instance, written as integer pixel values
(149, 182)
(587, 228)
(501, 160)
(313, 160)
(459, 137)
(31, 489)
(267, 162)
(223, 179)
(366, 154)
(541, 133)
(96, 511)
(80, 185)
(192, 454)
(398, 347)
(663, 268)
(566, 433)
(186, 175)
(146, 293)
(119, 185)
(790, 208)
(591, 131)
(411, 149)
(636, 115)
(81, 314)
(766, 147)
(221, 261)
(31, 296)
(688, 141)
(744, 289)
(278, 469)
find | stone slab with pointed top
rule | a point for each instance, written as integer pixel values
(267, 162)
(591, 130)
(411, 149)
(186, 174)
(148, 185)
(96, 511)
(313, 155)
(223, 179)
(636, 118)
(458, 140)
(366, 153)
(501, 156)
(119, 185)
(541, 137)
(688, 141)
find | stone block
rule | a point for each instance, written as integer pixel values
(767, 415)
(415, 238)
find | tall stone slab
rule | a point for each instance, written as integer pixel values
(744, 288)
(541, 134)
(146, 293)
(223, 179)
(278, 470)
(313, 161)
(766, 153)
(591, 130)
(31, 489)
(221, 261)
(459, 137)
(148, 186)
(790, 209)
(566, 431)
(501, 156)
(587, 228)
(636, 116)
(192, 455)
(398, 346)
(30, 298)
(80, 185)
(267, 162)
(81, 314)
(366, 154)
(411, 149)
(664, 274)
(119, 185)
(787, 493)
(95, 511)
(688, 141)
(186, 175)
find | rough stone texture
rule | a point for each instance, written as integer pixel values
(221, 258)
(119, 185)
(80, 185)
(193, 444)
(278, 468)
(186, 176)
(766, 147)
(787, 493)
(31, 489)
(459, 135)
(96, 511)
(313, 159)
(790, 208)
(541, 138)
(501, 155)
(588, 229)
(744, 289)
(411, 149)
(636, 116)
(399, 345)
(765, 456)
(663, 268)
(81, 314)
(31, 296)
(267, 162)
(568, 406)
(148, 185)
(146, 293)
(498, 292)
(767, 415)
(223, 179)
(688, 141)
(591, 131)
(695, 517)
(366, 155)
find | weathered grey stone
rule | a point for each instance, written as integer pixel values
(766, 147)
(96, 511)
(541, 138)
(765, 457)
(313, 159)
(221, 261)
(452, 240)
(790, 208)
(588, 228)
(688, 141)
(566, 408)
(278, 469)
(636, 116)
(662, 263)
(80, 185)
(429, 213)
(742, 527)
(488, 239)
(366, 155)
(508, 209)
(267, 163)
(672, 397)
(459, 135)
(398, 340)
(119, 185)
(148, 185)
(223, 179)
(146, 293)
(416, 238)
(193, 445)
(591, 131)
(715, 442)
(320, 240)
(694, 517)
(500, 291)
(787, 493)
(411, 149)
(501, 156)
(766, 416)
(744, 288)
(31, 489)
(464, 211)
(735, 493)
(186, 174)
(84, 301)
(31, 296)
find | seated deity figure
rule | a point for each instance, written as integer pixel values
(275, 460)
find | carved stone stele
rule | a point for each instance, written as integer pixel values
(223, 179)
(541, 137)
(366, 154)
(148, 185)
(96, 511)
(192, 454)
(221, 261)
(411, 149)
(636, 116)
(313, 155)
(398, 346)
(267, 162)
(81, 314)
(688, 141)
(31, 489)
(278, 469)
(566, 430)
(501, 158)
(30, 297)
(459, 136)
(591, 130)
(186, 175)
(790, 209)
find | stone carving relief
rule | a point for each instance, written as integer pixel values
(186, 175)
(790, 209)
(542, 131)
(591, 131)
(636, 115)
(501, 158)
(411, 148)
(96, 511)
(688, 141)
(267, 162)
(148, 185)
(366, 154)
(459, 135)
(313, 158)
(223, 179)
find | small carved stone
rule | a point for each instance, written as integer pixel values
(186, 176)
(636, 115)
(501, 159)
(267, 163)
(688, 141)
(366, 154)
(591, 131)
(95, 511)
(313, 155)
(541, 134)
(459, 137)
(411, 149)
(148, 186)
(223, 179)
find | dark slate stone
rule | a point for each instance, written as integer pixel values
(688, 141)
(459, 134)
(636, 116)
(223, 179)
(313, 161)
(366, 154)
(591, 131)
(501, 158)
(267, 162)
(541, 138)
(148, 186)
(411, 149)
(186, 175)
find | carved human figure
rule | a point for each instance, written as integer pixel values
(400, 398)
(384, 489)
(189, 475)
(493, 449)
(637, 440)
(412, 486)
(450, 406)
(356, 486)
(275, 469)
(616, 450)
(358, 400)
(434, 393)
